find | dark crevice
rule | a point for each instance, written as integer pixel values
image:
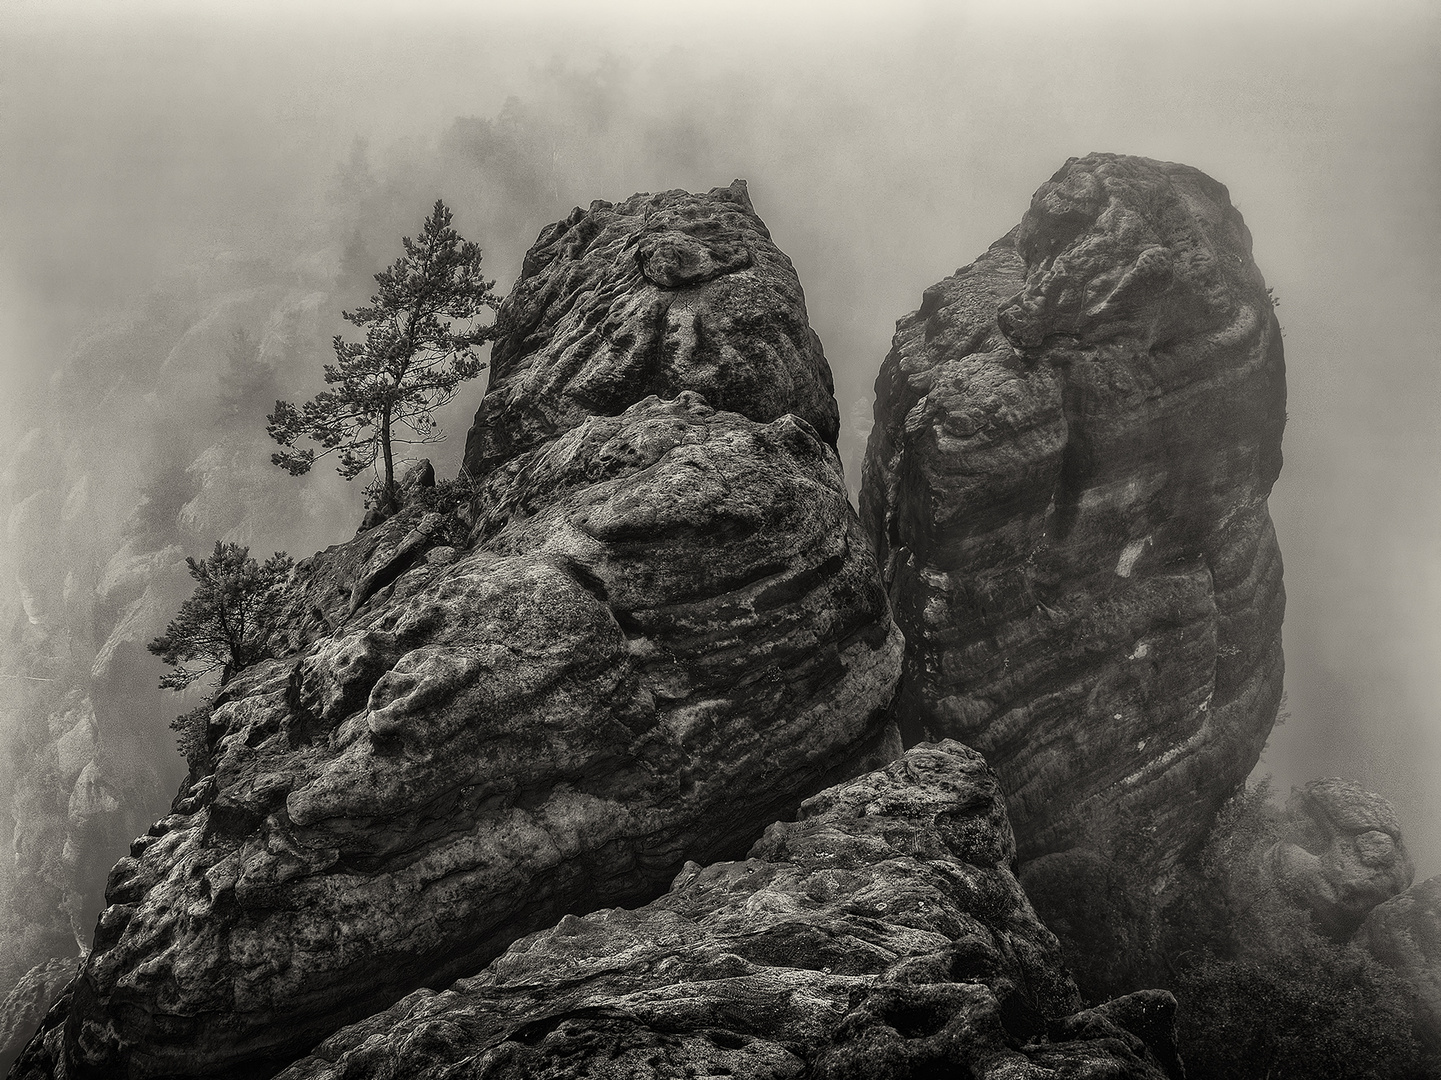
(1077, 461)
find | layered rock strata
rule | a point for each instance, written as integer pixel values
(1342, 854)
(881, 934)
(657, 628)
(1075, 438)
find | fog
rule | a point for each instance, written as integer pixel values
(172, 178)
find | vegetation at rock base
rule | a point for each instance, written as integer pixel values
(444, 496)
(1309, 1012)
(225, 625)
(1262, 995)
(411, 363)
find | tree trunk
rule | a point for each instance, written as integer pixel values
(386, 502)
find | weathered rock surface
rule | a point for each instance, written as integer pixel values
(1075, 438)
(659, 294)
(28, 1001)
(880, 935)
(1342, 854)
(1404, 933)
(668, 630)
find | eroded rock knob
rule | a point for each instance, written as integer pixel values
(1342, 855)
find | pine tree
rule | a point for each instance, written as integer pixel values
(410, 364)
(225, 625)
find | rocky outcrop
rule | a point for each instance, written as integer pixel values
(1404, 933)
(881, 934)
(27, 1003)
(1341, 855)
(659, 294)
(1075, 438)
(661, 630)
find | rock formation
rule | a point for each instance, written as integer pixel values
(1341, 856)
(660, 294)
(658, 628)
(1075, 438)
(1404, 933)
(27, 1003)
(881, 934)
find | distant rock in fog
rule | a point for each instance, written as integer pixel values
(1075, 438)
(1342, 854)
(1404, 933)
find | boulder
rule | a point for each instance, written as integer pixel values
(410, 486)
(1066, 484)
(1404, 933)
(417, 476)
(1341, 855)
(658, 629)
(882, 934)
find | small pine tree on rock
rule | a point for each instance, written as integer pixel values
(225, 626)
(413, 359)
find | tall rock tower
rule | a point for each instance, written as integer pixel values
(1075, 438)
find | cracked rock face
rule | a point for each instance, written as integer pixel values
(880, 935)
(1342, 854)
(659, 628)
(1075, 438)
